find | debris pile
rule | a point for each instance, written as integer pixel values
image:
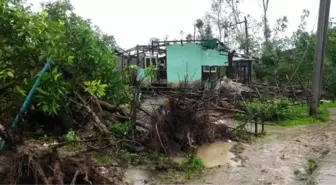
(37, 164)
(191, 120)
(30, 161)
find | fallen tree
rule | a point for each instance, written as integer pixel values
(190, 121)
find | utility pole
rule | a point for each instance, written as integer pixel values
(325, 45)
(319, 54)
(246, 36)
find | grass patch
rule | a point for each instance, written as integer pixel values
(300, 115)
(194, 167)
(284, 113)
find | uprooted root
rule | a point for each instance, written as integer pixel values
(188, 124)
(34, 164)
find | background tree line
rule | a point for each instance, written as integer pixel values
(280, 57)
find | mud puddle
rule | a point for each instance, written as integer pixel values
(213, 155)
(217, 154)
(138, 176)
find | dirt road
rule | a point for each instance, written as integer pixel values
(281, 158)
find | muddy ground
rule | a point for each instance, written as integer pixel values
(281, 158)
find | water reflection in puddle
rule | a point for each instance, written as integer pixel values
(217, 153)
(212, 155)
(136, 176)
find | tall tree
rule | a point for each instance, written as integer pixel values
(267, 31)
(199, 25)
(226, 17)
(217, 16)
(189, 37)
(207, 33)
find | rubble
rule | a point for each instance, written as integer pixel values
(189, 119)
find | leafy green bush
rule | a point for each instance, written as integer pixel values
(275, 110)
(80, 52)
(284, 113)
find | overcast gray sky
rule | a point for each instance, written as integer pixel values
(136, 21)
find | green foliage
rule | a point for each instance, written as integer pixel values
(126, 157)
(194, 163)
(274, 110)
(95, 88)
(49, 97)
(129, 72)
(120, 129)
(294, 56)
(6, 73)
(80, 52)
(284, 113)
(74, 145)
(71, 136)
(150, 72)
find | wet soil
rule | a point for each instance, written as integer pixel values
(279, 158)
(276, 158)
(217, 154)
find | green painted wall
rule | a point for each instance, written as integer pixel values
(187, 59)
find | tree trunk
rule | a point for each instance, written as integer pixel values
(265, 20)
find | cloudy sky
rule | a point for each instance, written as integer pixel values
(136, 21)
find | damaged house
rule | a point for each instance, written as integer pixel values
(199, 62)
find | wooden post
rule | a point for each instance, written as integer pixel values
(326, 22)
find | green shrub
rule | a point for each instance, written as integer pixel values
(275, 110)
(284, 113)
(194, 163)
